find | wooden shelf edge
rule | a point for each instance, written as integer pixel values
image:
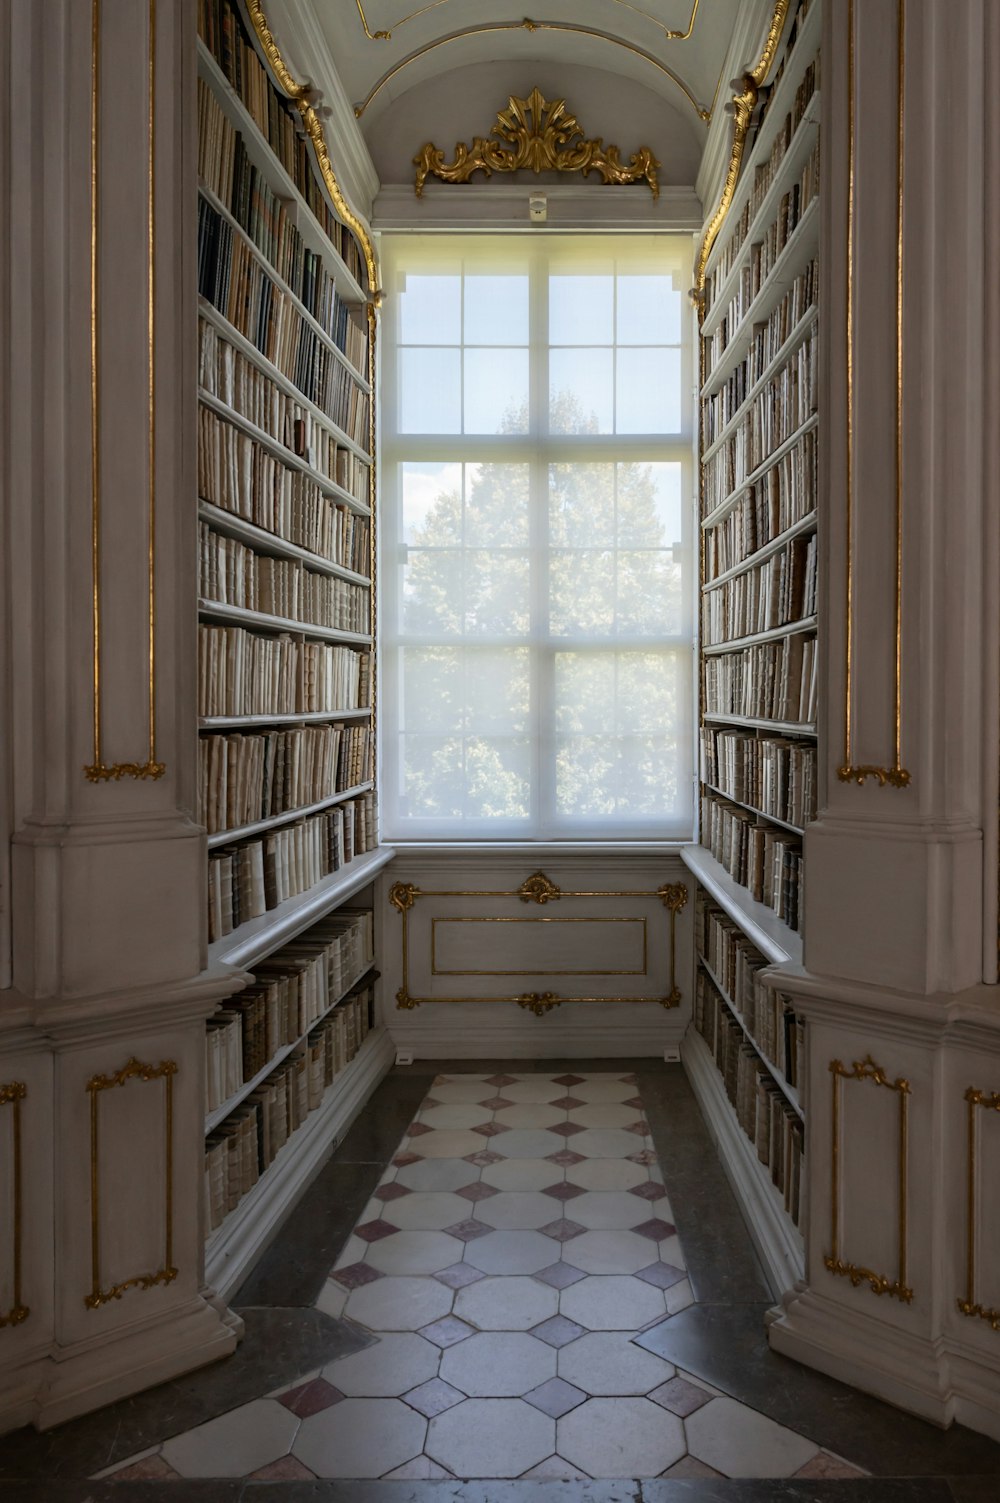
(762, 926)
(789, 1092)
(233, 1248)
(778, 1241)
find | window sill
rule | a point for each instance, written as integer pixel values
(538, 847)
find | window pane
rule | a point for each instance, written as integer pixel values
(431, 503)
(498, 691)
(496, 505)
(433, 778)
(496, 310)
(582, 593)
(649, 311)
(581, 391)
(581, 309)
(433, 681)
(432, 592)
(581, 504)
(648, 594)
(649, 391)
(496, 593)
(497, 778)
(649, 512)
(496, 391)
(430, 309)
(430, 391)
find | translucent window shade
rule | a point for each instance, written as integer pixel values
(537, 552)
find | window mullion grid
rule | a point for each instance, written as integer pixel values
(542, 663)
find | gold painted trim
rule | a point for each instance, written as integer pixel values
(970, 1305)
(743, 108)
(537, 888)
(313, 127)
(98, 771)
(12, 1094)
(386, 36)
(528, 25)
(522, 971)
(897, 775)
(539, 135)
(133, 1070)
(878, 1283)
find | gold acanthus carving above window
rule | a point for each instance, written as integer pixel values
(541, 136)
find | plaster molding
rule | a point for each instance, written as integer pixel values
(444, 206)
(751, 25)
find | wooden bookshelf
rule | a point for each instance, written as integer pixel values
(290, 389)
(759, 422)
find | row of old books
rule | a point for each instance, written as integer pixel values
(775, 776)
(765, 860)
(289, 994)
(230, 176)
(247, 778)
(221, 28)
(239, 1151)
(767, 681)
(230, 573)
(232, 278)
(781, 498)
(790, 35)
(778, 592)
(736, 965)
(764, 252)
(770, 335)
(765, 1115)
(247, 673)
(226, 373)
(764, 175)
(248, 879)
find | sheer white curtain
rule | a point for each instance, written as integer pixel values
(537, 565)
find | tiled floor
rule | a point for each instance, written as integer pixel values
(515, 1247)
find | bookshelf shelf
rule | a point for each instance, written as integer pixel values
(270, 1136)
(782, 727)
(798, 529)
(750, 808)
(769, 933)
(712, 518)
(781, 358)
(787, 1090)
(794, 628)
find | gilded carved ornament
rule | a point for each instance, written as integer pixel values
(538, 135)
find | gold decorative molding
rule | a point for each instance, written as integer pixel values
(970, 1305)
(98, 771)
(386, 36)
(537, 888)
(537, 135)
(133, 1070)
(897, 775)
(705, 115)
(298, 94)
(878, 1283)
(12, 1094)
(743, 104)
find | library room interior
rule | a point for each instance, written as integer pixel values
(500, 767)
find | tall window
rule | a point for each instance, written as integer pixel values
(536, 548)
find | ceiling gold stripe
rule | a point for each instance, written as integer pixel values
(386, 36)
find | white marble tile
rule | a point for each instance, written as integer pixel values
(420, 1469)
(397, 1363)
(620, 1438)
(512, 1252)
(437, 1174)
(463, 1089)
(555, 1469)
(610, 1251)
(399, 1304)
(605, 1114)
(490, 1438)
(353, 1251)
(415, 1252)
(498, 1364)
(700, 1383)
(426, 1210)
(236, 1443)
(447, 1143)
(603, 1088)
(526, 1143)
(606, 1143)
(530, 1114)
(332, 1299)
(455, 1114)
(678, 1296)
(607, 1174)
(612, 1304)
(533, 1089)
(360, 1438)
(670, 1252)
(605, 1209)
(608, 1364)
(518, 1210)
(511, 1303)
(739, 1442)
(523, 1174)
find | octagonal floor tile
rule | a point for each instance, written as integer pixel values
(448, 1143)
(607, 1364)
(395, 1364)
(237, 1443)
(452, 1114)
(491, 1438)
(604, 1088)
(527, 1143)
(427, 1210)
(739, 1442)
(506, 1304)
(522, 1174)
(361, 1438)
(415, 1252)
(612, 1304)
(517, 1210)
(606, 1174)
(530, 1114)
(498, 1364)
(431, 1175)
(605, 1114)
(605, 1143)
(470, 1089)
(399, 1304)
(609, 1251)
(533, 1090)
(620, 1438)
(601, 1209)
(512, 1252)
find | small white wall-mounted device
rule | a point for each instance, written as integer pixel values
(537, 208)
